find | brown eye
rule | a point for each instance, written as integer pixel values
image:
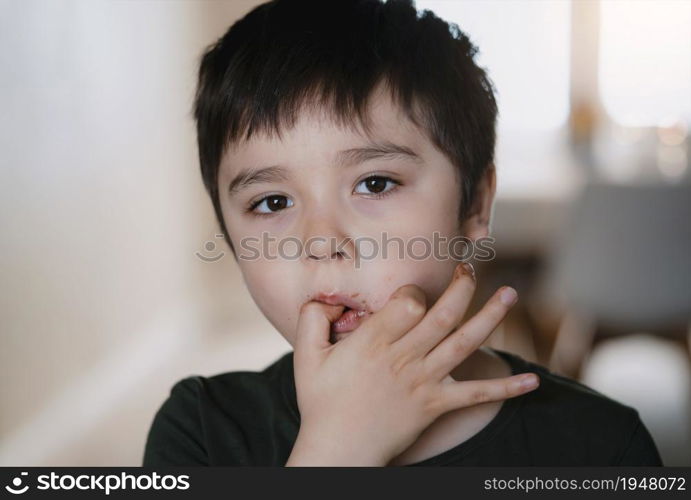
(377, 184)
(270, 204)
(276, 202)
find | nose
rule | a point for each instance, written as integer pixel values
(326, 238)
(327, 251)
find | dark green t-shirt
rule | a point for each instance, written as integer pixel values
(252, 418)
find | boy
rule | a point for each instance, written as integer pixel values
(323, 123)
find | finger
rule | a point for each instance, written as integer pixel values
(456, 395)
(313, 329)
(404, 309)
(457, 346)
(445, 315)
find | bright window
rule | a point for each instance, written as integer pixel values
(525, 47)
(645, 61)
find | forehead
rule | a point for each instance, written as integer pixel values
(317, 137)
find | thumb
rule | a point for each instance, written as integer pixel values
(314, 328)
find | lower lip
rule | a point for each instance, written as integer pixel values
(347, 322)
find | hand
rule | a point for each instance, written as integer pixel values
(366, 399)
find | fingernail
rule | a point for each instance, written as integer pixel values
(508, 296)
(464, 268)
(469, 269)
(529, 382)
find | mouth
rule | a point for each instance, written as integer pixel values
(351, 317)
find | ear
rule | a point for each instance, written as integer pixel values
(476, 223)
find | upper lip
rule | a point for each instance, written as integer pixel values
(338, 299)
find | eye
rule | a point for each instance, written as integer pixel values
(377, 185)
(270, 205)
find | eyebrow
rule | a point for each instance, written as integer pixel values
(348, 157)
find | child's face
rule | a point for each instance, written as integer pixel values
(318, 199)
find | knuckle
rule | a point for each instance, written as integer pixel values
(444, 318)
(410, 291)
(404, 291)
(413, 307)
(479, 396)
(460, 344)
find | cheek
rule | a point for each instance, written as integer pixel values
(274, 291)
(432, 276)
(433, 210)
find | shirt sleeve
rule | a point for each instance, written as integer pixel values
(641, 449)
(175, 436)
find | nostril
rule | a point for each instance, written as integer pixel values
(335, 256)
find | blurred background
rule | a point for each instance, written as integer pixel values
(116, 282)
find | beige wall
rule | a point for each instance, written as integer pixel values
(103, 302)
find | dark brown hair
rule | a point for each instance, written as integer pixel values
(285, 54)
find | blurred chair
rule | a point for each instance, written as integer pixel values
(621, 265)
